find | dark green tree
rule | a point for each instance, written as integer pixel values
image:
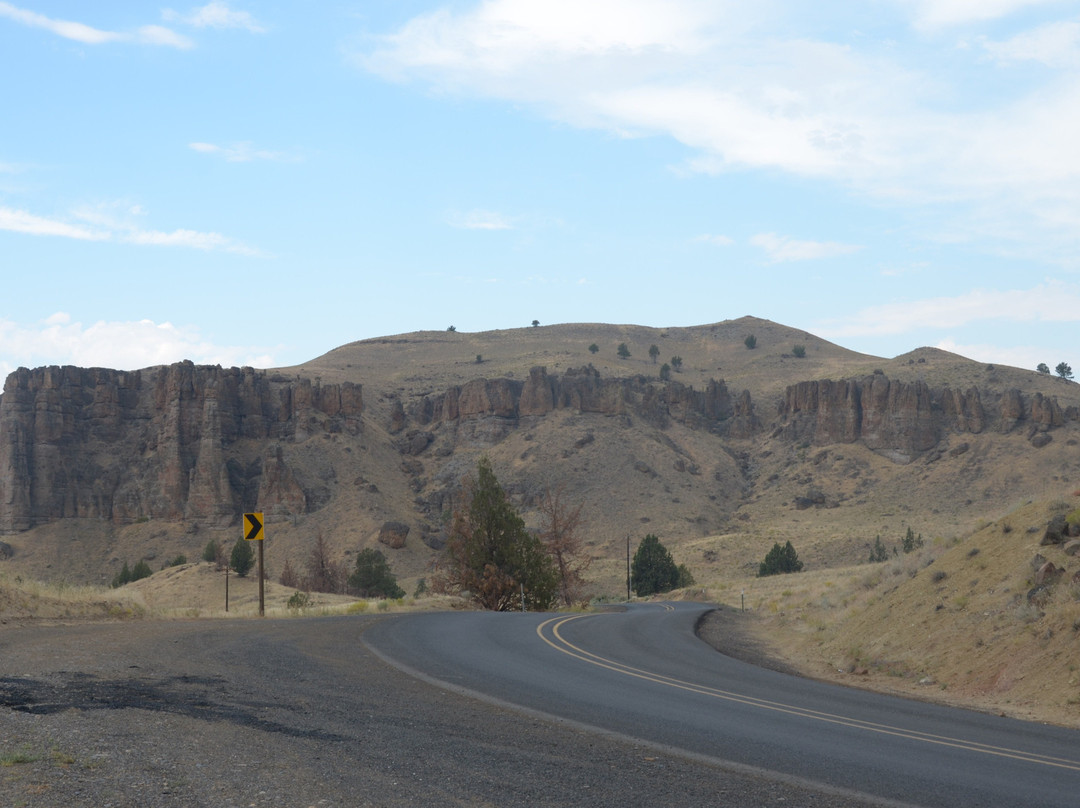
(491, 556)
(122, 577)
(451, 328)
(750, 342)
(623, 351)
(676, 362)
(1063, 370)
(653, 569)
(878, 553)
(654, 352)
(799, 351)
(780, 560)
(594, 348)
(686, 578)
(535, 323)
(1042, 368)
(372, 577)
(141, 570)
(911, 542)
(242, 557)
(665, 372)
(211, 551)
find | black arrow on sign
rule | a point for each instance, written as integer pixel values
(256, 526)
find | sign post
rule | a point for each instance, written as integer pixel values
(253, 531)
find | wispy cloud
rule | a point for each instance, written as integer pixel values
(479, 220)
(942, 13)
(242, 152)
(95, 225)
(731, 82)
(125, 345)
(88, 35)
(780, 249)
(1050, 302)
(1055, 45)
(19, 221)
(215, 15)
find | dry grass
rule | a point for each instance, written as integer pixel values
(194, 590)
(951, 622)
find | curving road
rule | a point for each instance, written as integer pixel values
(644, 674)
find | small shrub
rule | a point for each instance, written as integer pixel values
(623, 351)
(799, 351)
(938, 576)
(299, 600)
(421, 588)
(750, 342)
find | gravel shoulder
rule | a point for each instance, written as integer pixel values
(298, 712)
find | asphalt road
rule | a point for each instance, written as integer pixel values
(644, 675)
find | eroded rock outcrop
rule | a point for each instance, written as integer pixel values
(163, 443)
(584, 391)
(904, 419)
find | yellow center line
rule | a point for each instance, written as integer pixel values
(559, 643)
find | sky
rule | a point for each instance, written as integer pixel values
(257, 183)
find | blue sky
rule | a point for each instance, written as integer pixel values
(260, 182)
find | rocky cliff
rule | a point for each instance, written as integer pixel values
(176, 442)
(904, 419)
(584, 391)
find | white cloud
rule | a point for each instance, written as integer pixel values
(19, 221)
(124, 345)
(479, 220)
(784, 248)
(215, 15)
(1054, 45)
(108, 227)
(941, 13)
(242, 152)
(731, 83)
(1050, 302)
(79, 32)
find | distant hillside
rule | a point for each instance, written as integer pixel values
(738, 448)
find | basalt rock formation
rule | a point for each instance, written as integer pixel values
(904, 419)
(174, 442)
(583, 390)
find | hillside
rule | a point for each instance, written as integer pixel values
(739, 449)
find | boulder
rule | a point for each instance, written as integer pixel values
(1056, 531)
(393, 534)
(1072, 547)
(1047, 573)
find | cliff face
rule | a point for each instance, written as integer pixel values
(901, 419)
(181, 441)
(583, 390)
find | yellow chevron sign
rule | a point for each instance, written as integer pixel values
(253, 526)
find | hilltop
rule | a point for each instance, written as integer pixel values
(740, 448)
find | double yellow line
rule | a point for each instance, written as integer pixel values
(550, 632)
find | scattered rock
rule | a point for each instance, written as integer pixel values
(1048, 573)
(1072, 547)
(6, 551)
